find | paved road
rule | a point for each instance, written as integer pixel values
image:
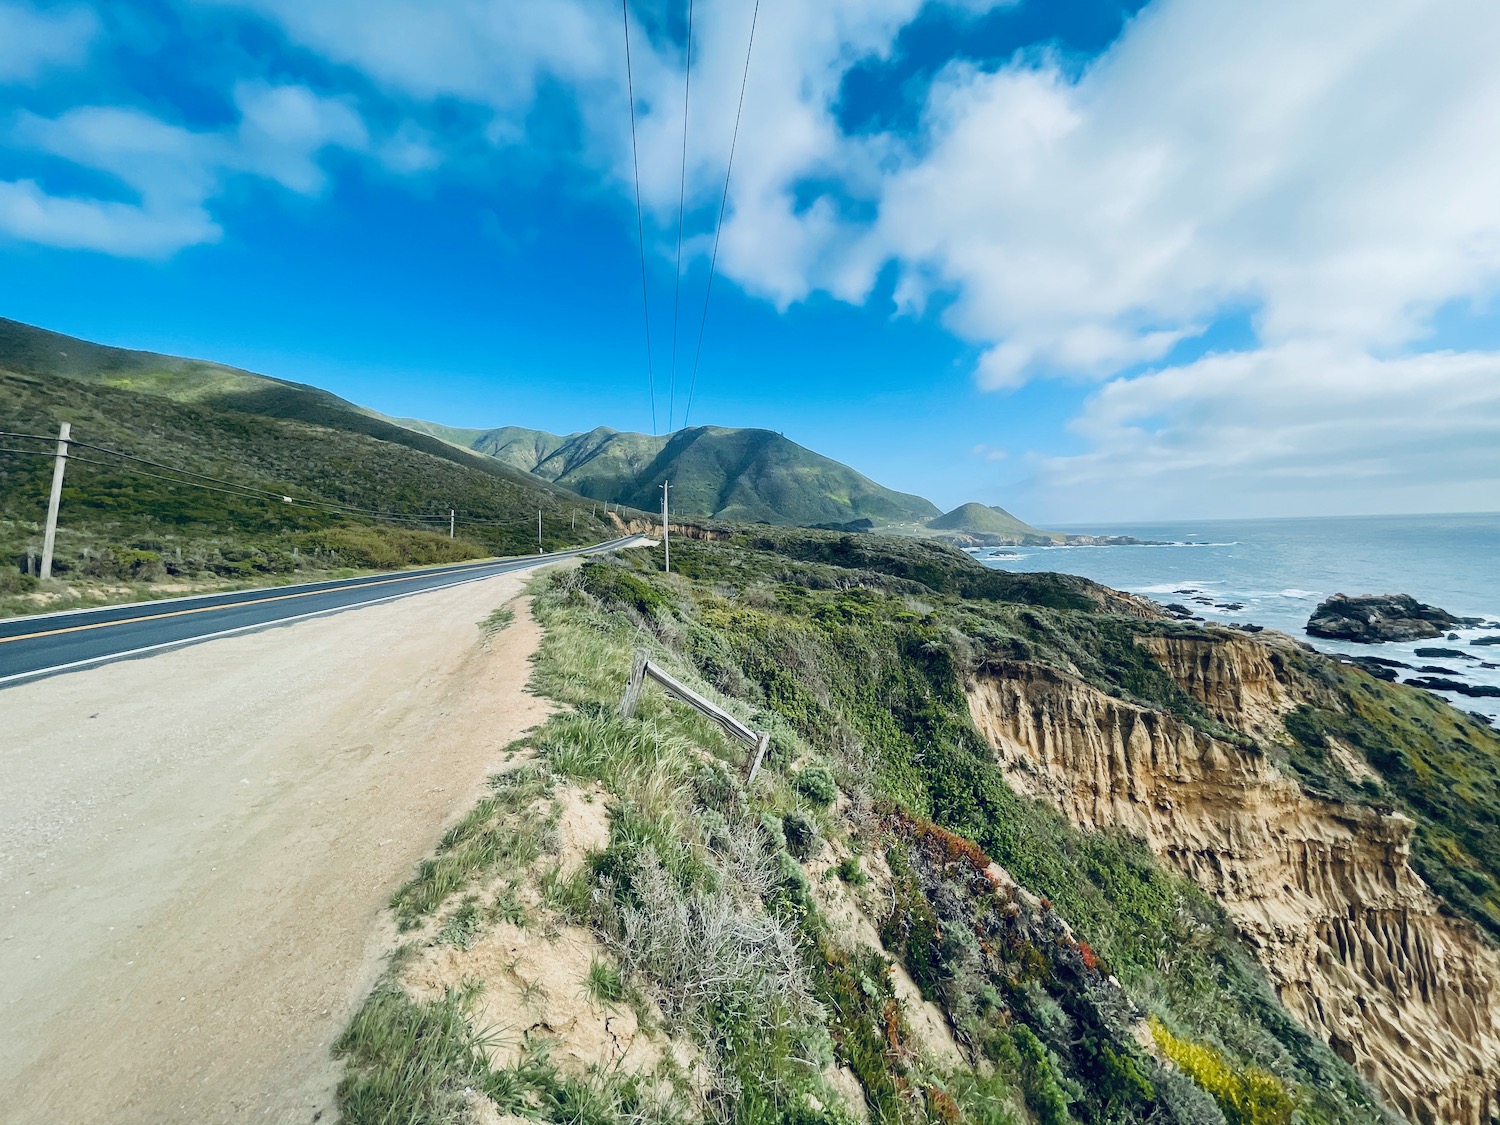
(196, 850)
(31, 647)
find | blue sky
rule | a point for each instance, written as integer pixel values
(1085, 262)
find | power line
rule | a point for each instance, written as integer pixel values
(687, 87)
(32, 437)
(174, 469)
(719, 226)
(640, 226)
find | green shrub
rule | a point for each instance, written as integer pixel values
(14, 581)
(1042, 1084)
(850, 871)
(802, 838)
(817, 785)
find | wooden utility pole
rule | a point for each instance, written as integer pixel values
(451, 514)
(539, 532)
(666, 546)
(49, 540)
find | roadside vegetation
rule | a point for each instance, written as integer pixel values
(126, 534)
(879, 928)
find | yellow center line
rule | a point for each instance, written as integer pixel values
(234, 605)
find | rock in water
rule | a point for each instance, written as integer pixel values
(1372, 618)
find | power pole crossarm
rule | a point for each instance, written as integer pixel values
(49, 539)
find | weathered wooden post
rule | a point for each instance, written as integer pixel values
(761, 745)
(633, 687)
(642, 668)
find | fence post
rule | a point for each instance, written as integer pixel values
(760, 753)
(633, 686)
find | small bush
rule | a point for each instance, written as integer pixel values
(604, 984)
(851, 872)
(463, 927)
(817, 785)
(15, 582)
(1247, 1095)
(802, 838)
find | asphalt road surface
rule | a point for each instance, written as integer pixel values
(31, 647)
(197, 849)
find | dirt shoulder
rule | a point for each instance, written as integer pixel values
(196, 849)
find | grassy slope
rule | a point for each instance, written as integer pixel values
(851, 652)
(119, 526)
(26, 350)
(733, 474)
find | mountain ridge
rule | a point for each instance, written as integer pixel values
(747, 475)
(744, 474)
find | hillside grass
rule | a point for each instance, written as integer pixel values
(746, 475)
(707, 892)
(122, 532)
(880, 674)
(1437, 764)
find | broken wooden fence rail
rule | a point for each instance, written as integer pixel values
(642, 668)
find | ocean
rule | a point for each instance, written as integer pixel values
(1276, 571)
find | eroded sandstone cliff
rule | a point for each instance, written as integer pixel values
(1354, 942)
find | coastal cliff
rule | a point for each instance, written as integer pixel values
(1357, 946)
(1021, 850)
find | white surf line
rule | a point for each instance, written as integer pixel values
(57, 669)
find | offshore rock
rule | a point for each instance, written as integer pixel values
(1356, 945)
(1372, 618)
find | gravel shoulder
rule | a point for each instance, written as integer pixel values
(196, 850)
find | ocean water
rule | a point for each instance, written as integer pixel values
(1277, 571)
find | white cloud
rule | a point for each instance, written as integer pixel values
(480, 51)
(170, 173)
(1328, 164)
(90, 224)
(283, 129)
(33, 39)
(1301, 428)
(1332, 164)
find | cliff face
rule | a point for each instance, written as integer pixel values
(1352, 939)
(679, 530)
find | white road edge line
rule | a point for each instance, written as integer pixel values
(416, 572)
(185, 641)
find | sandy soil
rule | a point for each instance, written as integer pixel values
(196, 849)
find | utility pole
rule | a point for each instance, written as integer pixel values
(539, 532)
(450, 523)
(575, 520)
(49, 540)
(666, 546)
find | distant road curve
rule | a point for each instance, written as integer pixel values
(32, 647)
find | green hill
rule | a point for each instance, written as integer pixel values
(749, 475)
(122, 521)
(980, 519)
